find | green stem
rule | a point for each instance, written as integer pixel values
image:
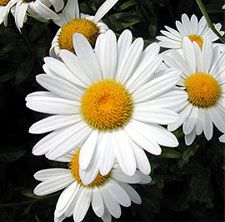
(209, 22)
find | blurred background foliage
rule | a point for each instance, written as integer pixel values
(188, 182)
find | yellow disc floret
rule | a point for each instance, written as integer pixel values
(106, 105)
(74, 168)
(83, 26)
(4, 2)
(196, 38)
(203, 89)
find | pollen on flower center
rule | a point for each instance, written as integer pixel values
(83, 26)
(196, 38)
(106, 105)
(4, 2)
(74, 168)
(203, 89)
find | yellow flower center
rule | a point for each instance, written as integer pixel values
(74, 168)
(106, 105)
(83, 26)
(196, 38)
(203, 89)
(4, 2)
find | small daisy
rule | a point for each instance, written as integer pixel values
(223, 7)
(73, 21)
(109, 98)
(203, 78)
(195, 30)
(222, 139)
(105, 194)
(39, 9)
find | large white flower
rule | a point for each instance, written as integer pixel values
(195, 30)
(203, 78)
(73, 21)
(105, 194)
(110, 98)
(39, 9)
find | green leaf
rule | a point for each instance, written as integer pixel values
(171, 154)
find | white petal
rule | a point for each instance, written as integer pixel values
(118, 175)
(112, 206)
(190, 123)
(62, 71)
(124, 153)
(82, 205)
(141, 159)
(189, 53)
(73, 64)
(46, 102)
(87, 57)
(143, 73)
(47, 174)
(134, 196)
(106, 50)
(156, 87)
(190, 138)
(118, 193)
(53, 123)
(139, 137)
(87, 150)
(65, 198)
(207, 54)
(60, 87)
(218, 118)
(124, 43)
(53, 185)
(130, 60)
(106, 157)
(105, 7)
(97, 202)
(222, 139)
(154, 115)
(68, 142)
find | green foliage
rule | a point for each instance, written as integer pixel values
(187, 182)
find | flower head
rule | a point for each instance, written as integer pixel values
(203, 80)
(105, 194)
(110, 98)
(195, 30)
(72, 21)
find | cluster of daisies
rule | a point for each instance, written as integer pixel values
(110, 100)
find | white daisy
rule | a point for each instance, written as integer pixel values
(109, 98)
(39, 9)
(203, 75)
(73, 21)
(105, 194)
(195, 30)
(223, 7)
(222, 139)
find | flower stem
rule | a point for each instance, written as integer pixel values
(209, 22)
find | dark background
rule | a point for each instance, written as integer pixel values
(188, 182)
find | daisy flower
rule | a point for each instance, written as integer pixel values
(39, 9)
(73, 21)
(223, 7)
(203, 80)
(105, 194)
(222, 139)
(109, 98)
(195, 30)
